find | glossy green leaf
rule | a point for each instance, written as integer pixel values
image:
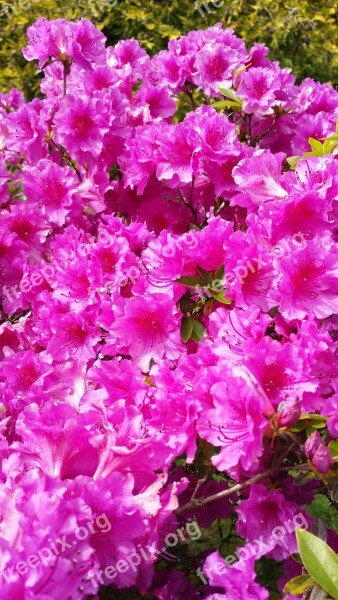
(226, 104)
(333, 447)
(191, 281)
(219, 274)
(241, 69)
(185, 302)
(293, 161)
(319, 560)
(313, 417)
(204, 275)
(187, 326)
(231, 94)
(316, 146)
(198, 332)
(328, 145)
(221, 297)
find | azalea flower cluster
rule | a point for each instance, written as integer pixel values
(132, 191)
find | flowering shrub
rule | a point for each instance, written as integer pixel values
(168, 330)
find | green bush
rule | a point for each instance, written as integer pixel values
(300, 34)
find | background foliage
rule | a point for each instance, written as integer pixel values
(300, 34)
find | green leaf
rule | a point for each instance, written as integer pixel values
(312, 428)
(191, 281)
(241, 69)
(205, 275)
(333, 447)
(185, 302)
(300, 426)
(187, 326)
(328, 145)
(226, 104)
(198, 332)
(299, 585)
(316, 146)
(319, 560)
(313, 417)
(231, 94)
(293, 161)
(219, 274)
(221, 297)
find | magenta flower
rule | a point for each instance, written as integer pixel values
(80, 126)
(258, 88)
(74, 336)
(308, 280)
(63, 40)
(237, 580)
(258, 179)
(177, 158)
(215, 65)
(236, 423)
(149, 329)
(50, 185)
(268, 520)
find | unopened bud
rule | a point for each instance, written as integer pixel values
(312, 444)
(290, 413)
(322, 459)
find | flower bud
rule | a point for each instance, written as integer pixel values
(322, 460)
(312, 444)
(290, 413)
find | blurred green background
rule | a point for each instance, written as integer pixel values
(300, 34)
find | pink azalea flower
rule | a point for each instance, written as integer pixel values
(50, 186)
(56, 438)
(267, 518)
(177, 160)
(74, 336)
(258, 179)
(27, 130)
(149, 329)
(236, 423)
(80, 126)
(63, 40)
(308, 280)
(237, 580)
(215, 65)
(258, 88)
(159, 102)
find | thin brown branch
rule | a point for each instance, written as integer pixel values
(199, 502)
